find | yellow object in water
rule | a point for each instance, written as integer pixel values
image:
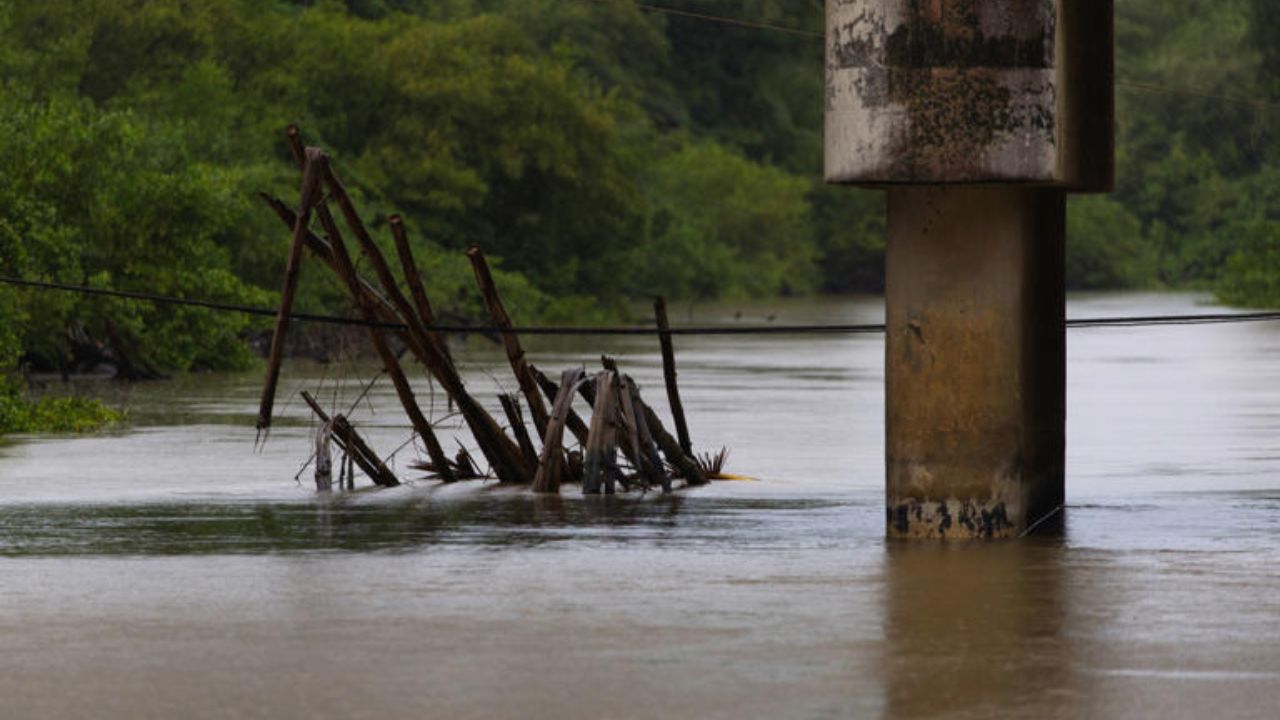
(726, 476)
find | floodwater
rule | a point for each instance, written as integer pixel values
(166, 570)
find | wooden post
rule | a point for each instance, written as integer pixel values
(414, 278)
(602, 439)
(511, 407)
(643, 447)
(552, 462)
(573, 421)
(354, 445)
(510, 341)
(671, 450)
(502, 453)
(669, 375)
(310, 188)
(324, 459)
(346, 270)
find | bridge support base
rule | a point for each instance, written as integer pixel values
(975, 360)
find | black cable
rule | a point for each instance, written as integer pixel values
(563, 330)
(720, 19)
(1120, 82)
(209, 304)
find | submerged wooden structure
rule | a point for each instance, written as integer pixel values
(621, 422)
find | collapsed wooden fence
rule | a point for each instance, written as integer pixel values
(620, 420)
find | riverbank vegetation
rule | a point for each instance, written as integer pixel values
(568, 137)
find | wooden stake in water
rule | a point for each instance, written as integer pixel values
(310, 193)
(669, 375)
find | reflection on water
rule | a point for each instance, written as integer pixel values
(167, 570)
(972, 629)
(493, 519)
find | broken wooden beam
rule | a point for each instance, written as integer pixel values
(573, 421)
(652, 472)
(552, 463)
(601, 450)
(354, 445)
(511, 407)
(686, 466)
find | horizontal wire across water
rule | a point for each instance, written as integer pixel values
(566, 330)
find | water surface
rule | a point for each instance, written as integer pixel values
(166, 569)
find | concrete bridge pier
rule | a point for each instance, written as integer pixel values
(975, 360)
(977, 117)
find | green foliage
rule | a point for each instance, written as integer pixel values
(105, 199)
(1105, 246)
(598, 153)
(850, 231)
(1193, 138)
(69, 414)
(1252, 276)
(724, 226)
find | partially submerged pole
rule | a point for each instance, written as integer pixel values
(684, 464)
(413, 276)
(669, 374)
(309, 196)
(515, 419)
(643, 446)
(978, 118)
(353, 445)
(324, 459)
(510, 341)
(501, 451)
(549, 388)
(346, 270)
(551, 464)
(601, 450)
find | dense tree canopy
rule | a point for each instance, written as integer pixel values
(572, 139)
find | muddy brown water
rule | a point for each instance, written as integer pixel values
(165, 569)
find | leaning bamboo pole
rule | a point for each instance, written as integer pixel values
(413, 276)
(511, 407)
(510, 341)
(347, 271)
(310, 188)
(643, 445)
(501, 451)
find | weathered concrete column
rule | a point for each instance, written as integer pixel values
(975, 361)
(978, 116)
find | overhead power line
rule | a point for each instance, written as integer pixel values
(1162, 90)
(570, 330)
(1131, 85)
(705, 17)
